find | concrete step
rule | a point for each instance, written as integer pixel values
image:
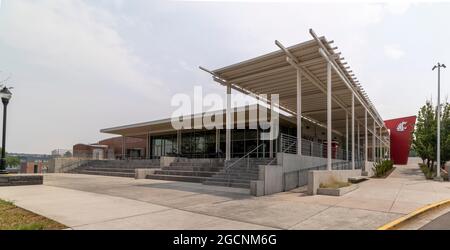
(119, 166)
(122, 163)
(102, 169)
(357, 179)
(215, 179)
(177, 178)
(117, 174)
(249, 170)
(181, 164)
(192, 168)
(185, 173)
(227, 184)
(237, 176)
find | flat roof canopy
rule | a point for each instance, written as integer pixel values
(140, 130)
(276, 73)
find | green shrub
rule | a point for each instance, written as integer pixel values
(381, 168)
(428, 172)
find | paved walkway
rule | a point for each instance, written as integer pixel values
(98, 202)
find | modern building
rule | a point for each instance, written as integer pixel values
(31, 167)
(326, 112)
(112, 148)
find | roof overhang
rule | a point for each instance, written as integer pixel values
(276, 73)
(241, 115)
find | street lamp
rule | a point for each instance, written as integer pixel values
(5, 94)
(438, 169)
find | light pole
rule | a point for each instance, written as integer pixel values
(5, 94)
(438, 115)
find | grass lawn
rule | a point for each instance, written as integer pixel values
(15, 218)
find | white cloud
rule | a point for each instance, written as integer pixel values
(398, 7)
(73, 74)
(71, 36)
(393, 52)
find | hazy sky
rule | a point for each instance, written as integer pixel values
(79, 66)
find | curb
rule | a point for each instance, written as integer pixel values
(393, 224)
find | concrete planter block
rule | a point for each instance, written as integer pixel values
(337, 191)
(316, 177)
(273, 179)
(357, 179)
(21, 180)
(165, 161)
(257, 188)
(141, 173)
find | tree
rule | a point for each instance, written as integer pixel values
(425, 134)
(11, 161)
(445, 134)
(68, 154)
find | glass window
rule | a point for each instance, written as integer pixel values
(251, 134)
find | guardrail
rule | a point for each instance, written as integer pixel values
(288, 144)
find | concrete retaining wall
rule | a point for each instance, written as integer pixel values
(368, 169)
(273, 178)
(292, 162)
(141, 173)
(62, 165)
(316, 177)
(290, 172)
(20, 180)
(165, 161)
(295, 168)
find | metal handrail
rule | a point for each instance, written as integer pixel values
(69, 165)
(227, 168)
(284, 151)
(246, 155)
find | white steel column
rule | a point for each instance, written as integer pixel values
(179, 142)
(228, 125)
(366, 140)
(271, 145)
(381, 144)
(299, 112)
(353, 131)
(147, 151)
(346, 136)
(358, 143)
(271, 133)
(123, 147)
(217, 140)
(374, 142)
(329, 116)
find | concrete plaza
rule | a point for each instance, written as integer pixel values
(98, 202)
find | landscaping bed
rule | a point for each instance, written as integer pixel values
(336, 188)
(385, 175)
(383, 169)
(337, 191)
(431, 173)
(15, 218)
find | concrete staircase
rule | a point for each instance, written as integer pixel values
(239, 174)
(119, 168)
(189, 170)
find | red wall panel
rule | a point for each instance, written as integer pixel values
(401, 134)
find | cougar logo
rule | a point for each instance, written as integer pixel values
(401, 126)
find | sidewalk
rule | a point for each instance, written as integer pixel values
(99, 202)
